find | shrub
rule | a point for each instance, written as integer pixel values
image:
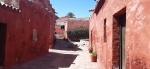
(94, 54)
(79, 33)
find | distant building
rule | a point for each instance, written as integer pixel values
(60, 25)
(119, 33)
(26, 30)
(74, 23)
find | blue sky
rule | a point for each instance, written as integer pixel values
(78, 7)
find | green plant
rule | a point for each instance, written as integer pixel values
(78, 33)
(70, 15)
(94, 54)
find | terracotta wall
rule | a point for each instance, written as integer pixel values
(60, 22)
(136, 34)
(52, 26)
(14, 3)
(20, 46)
(58, 30)
(74, 23)
(77, 23)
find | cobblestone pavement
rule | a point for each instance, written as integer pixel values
(63, 56)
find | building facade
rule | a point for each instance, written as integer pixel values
(75, 23)
(26, 30)
(119, 33)
(60, 24)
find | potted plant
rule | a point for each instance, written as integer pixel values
(94, 57)
(90, 49)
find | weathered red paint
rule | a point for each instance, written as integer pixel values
(20, 46)
(137, 44)
(74, 23)
(58, 29)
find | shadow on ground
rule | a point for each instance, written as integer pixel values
(61, 44)
(62, 60)
(54, 59)
(50, 61)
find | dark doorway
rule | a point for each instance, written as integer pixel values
(121, 19)
(62, 27)
(91, 38)
(119, 27)
(3, 29)
(122, 27)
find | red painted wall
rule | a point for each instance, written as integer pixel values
(58, 25)
(58, 30)
(20, 46)
(73, 23)
(52, 26)
(137, 43)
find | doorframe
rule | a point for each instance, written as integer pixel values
(121, 55)
(91, 37)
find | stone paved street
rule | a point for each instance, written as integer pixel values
(62, 57)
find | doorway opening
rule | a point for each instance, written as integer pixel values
(119, 27)
(3, 29)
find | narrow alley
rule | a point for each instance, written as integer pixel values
(74, 34)
(63, 57)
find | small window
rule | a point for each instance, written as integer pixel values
(34, 35)
(105, 36)
(62, 27)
